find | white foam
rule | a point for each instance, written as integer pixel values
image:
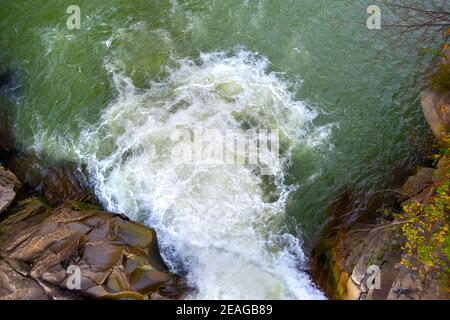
(212, 220)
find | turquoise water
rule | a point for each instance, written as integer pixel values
(110, 94)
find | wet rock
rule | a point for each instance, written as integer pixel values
(61, 184)
(57, 182)
(115, 258)
(26, 167)
(7, 86)
(6, 140)
(8, 187)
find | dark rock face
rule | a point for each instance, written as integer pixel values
(57, 182)
(61, 184)
(76, 251)
(7, 86)
(6, 138)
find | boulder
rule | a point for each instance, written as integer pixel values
(8, 187)
(436, 109)
(77, 251)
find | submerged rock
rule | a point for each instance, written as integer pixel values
(77, 251)
(7, 86)
(6, 140)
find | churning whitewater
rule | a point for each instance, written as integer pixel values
(223, 225)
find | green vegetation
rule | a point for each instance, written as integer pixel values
(425, 227)
(440, 80)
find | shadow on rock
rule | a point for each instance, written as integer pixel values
(58, 182)
(113, 258)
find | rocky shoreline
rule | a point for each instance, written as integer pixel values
(46, 245)
(55, 241)
(342, 258)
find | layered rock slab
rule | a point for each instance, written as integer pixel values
(113, 258)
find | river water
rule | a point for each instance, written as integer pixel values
(111, 95)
